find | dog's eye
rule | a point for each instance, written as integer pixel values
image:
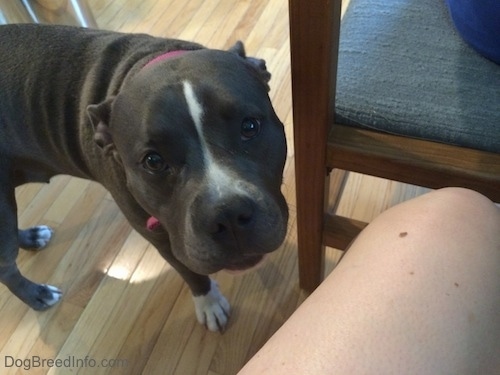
(250, 128)
(154, 163)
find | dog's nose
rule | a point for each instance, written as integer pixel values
(231, 218)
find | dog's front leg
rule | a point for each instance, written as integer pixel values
(37, 296)
(212, 308)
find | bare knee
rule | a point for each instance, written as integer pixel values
(460, 208)
(465, 199)
(431, 265)
(447, 211)
(420, 283)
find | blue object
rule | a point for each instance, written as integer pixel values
(478, 22)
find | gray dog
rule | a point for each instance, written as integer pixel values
(185, 139)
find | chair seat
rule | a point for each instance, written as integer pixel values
(403, 69)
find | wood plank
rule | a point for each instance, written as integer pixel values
(148, 325)
(39, 204)
(60, 208)
(414, 161)
(178, 15)
(341, 231)
(101, 310)
(130, 304)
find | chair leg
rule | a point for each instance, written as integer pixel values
(311, 47)
(310, 214)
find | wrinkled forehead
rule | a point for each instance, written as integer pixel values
(221, 66)
(220, 70)
(219, 80)
(184, 94)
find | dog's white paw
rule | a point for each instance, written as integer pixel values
(44, 234)
(212, 309)
(36, 237)
(54, 295)
(39, 296)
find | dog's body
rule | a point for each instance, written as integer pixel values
(174, 131)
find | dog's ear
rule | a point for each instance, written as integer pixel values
(99, 115)
(258, 64)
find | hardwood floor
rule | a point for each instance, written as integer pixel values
(121, 301)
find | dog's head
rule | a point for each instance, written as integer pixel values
(203, 151)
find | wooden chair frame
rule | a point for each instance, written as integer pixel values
(321, 147)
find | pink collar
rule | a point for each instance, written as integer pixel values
(165, 56)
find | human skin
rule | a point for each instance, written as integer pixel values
(418, 292)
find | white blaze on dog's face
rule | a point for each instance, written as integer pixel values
(204, 151)
(219, 179)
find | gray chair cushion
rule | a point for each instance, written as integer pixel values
(404, 70)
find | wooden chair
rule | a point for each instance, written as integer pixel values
(411, 102)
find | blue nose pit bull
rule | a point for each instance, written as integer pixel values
(185, 139)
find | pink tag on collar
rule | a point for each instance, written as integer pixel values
(165, 56)
(153, 223)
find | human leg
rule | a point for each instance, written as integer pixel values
(417, 293)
